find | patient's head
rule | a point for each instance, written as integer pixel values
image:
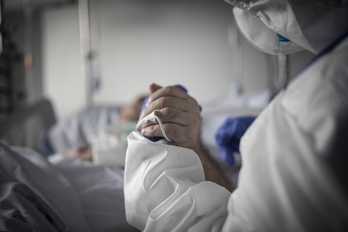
(130, 113)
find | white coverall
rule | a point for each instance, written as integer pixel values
(294, 172)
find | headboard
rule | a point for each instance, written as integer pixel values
(28, 126)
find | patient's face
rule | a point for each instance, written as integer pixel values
(130, 113)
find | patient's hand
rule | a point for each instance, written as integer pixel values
(179, 113)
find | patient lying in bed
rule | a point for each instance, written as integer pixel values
(74, 137)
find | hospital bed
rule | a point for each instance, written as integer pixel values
(74, 195)
(81, 194)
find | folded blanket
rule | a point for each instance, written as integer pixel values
(229, 134)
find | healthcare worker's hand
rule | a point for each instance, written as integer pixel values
(180, 115)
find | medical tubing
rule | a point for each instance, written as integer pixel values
(161, 126)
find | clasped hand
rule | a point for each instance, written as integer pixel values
(180, 115)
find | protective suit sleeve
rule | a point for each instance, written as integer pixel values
(165, 189)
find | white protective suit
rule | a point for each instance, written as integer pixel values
(295, 157)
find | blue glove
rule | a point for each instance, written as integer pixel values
(229, 134)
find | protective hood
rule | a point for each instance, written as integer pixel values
(308, 24)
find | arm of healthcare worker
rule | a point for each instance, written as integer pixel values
(180, 115)
(165, 186)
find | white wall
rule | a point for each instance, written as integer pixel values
(174, 42)
(63, 82)
(167, 42)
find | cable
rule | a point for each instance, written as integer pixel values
(153, 119)
(161, 126)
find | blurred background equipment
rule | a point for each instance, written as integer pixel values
(21, 80)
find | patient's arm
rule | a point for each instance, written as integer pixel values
(180, 115)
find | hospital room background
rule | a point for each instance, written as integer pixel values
(61, 57)
(81, 53)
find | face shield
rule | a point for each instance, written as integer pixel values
(261, 37)
(310, 25)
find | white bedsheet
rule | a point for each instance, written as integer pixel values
(100, 189)
(86, 197)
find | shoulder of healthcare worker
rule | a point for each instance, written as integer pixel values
(294, 175)
(165, 189)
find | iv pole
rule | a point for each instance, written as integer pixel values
(89, 32)
(85, 47)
